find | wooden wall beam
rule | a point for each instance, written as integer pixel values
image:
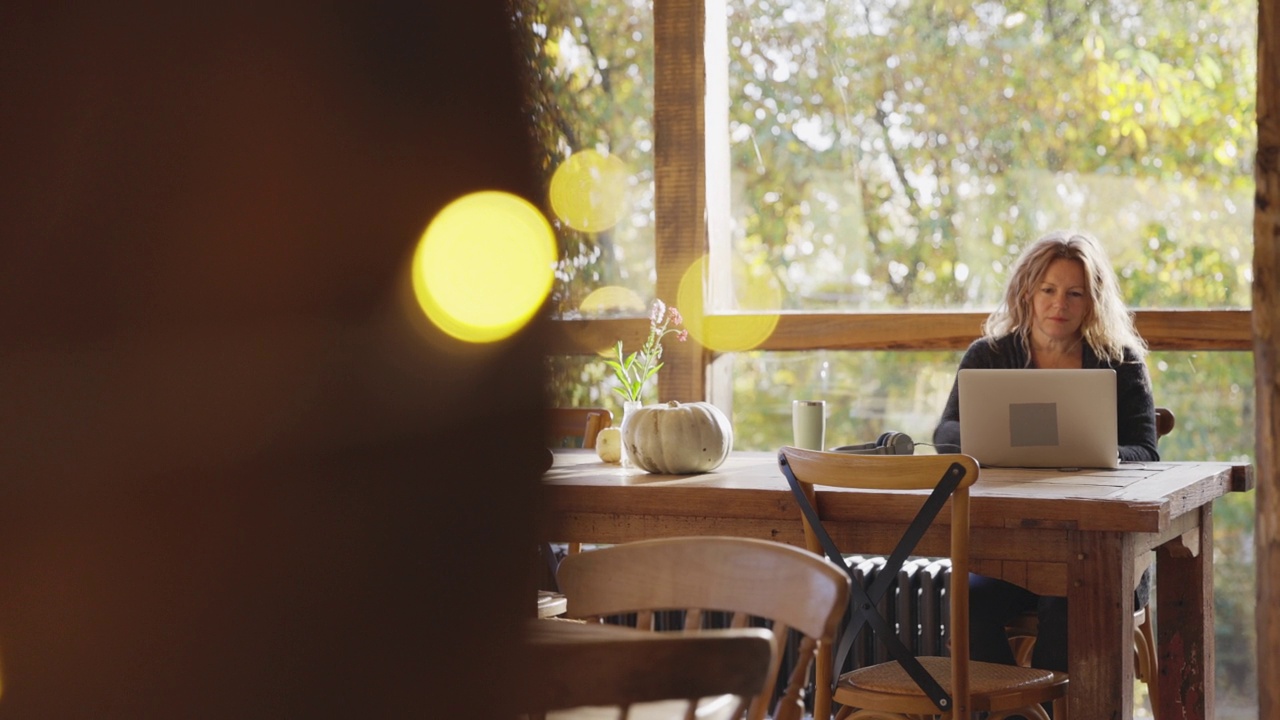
(1266, 327)
(1204, 330)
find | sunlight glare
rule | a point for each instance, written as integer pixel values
(588, 191)
(484, 266)
(612, 299)
(759, 298)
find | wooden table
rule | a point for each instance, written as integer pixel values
(1086, 534)
(551, 604)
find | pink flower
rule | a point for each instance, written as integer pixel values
(676, 318)
(659, 309)
(682, 335)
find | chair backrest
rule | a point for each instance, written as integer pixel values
(661, 675)
(945, 477)
(747, 579)
(576, 427)
(1164, 422)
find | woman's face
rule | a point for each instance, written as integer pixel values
(1060, 303)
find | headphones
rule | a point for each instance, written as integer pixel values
(890, 443)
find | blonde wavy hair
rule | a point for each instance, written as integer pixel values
(1108, 324)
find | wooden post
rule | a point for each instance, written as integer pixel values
(1266, 328)
(679, 78)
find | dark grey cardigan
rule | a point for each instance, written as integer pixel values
(1135, 408)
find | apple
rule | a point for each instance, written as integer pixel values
(609, 444)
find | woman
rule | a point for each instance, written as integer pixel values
(1061, 309)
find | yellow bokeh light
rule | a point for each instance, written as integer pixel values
(588, 191)
(611, 299)
(758, 298)
(484, 266)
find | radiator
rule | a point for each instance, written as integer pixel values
(917, 605)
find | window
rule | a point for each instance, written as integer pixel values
(897, 155)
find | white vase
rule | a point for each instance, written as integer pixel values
(628, 408)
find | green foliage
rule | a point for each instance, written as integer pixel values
(631, 373)
(589, 81)
(898, 154)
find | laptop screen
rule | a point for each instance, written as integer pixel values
(1039, 418)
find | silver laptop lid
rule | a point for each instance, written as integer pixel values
(1039, 418)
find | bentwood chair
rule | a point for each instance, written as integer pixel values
(1022, 632)
(911, 686)
(595, 672)
(576, 427)
(685, 584)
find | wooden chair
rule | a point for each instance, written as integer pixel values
(1164, 422)
(909, 686)
(1022, 631)
(576, 427)
(749, 580)
(612, 672)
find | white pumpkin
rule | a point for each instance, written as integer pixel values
(677, 438)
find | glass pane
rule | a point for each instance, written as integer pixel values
(869, 393)
(1212, 400)
(898, 154)
(589, 81)
(585, 381)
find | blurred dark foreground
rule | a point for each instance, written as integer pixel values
(238, 476)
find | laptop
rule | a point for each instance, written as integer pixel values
(1039, 418)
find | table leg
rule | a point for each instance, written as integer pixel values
(1184, 623)
(1100, 582)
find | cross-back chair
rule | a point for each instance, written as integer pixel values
(748, 580)
(595, 672)
(911, 686)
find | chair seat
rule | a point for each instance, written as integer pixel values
(993, 687)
